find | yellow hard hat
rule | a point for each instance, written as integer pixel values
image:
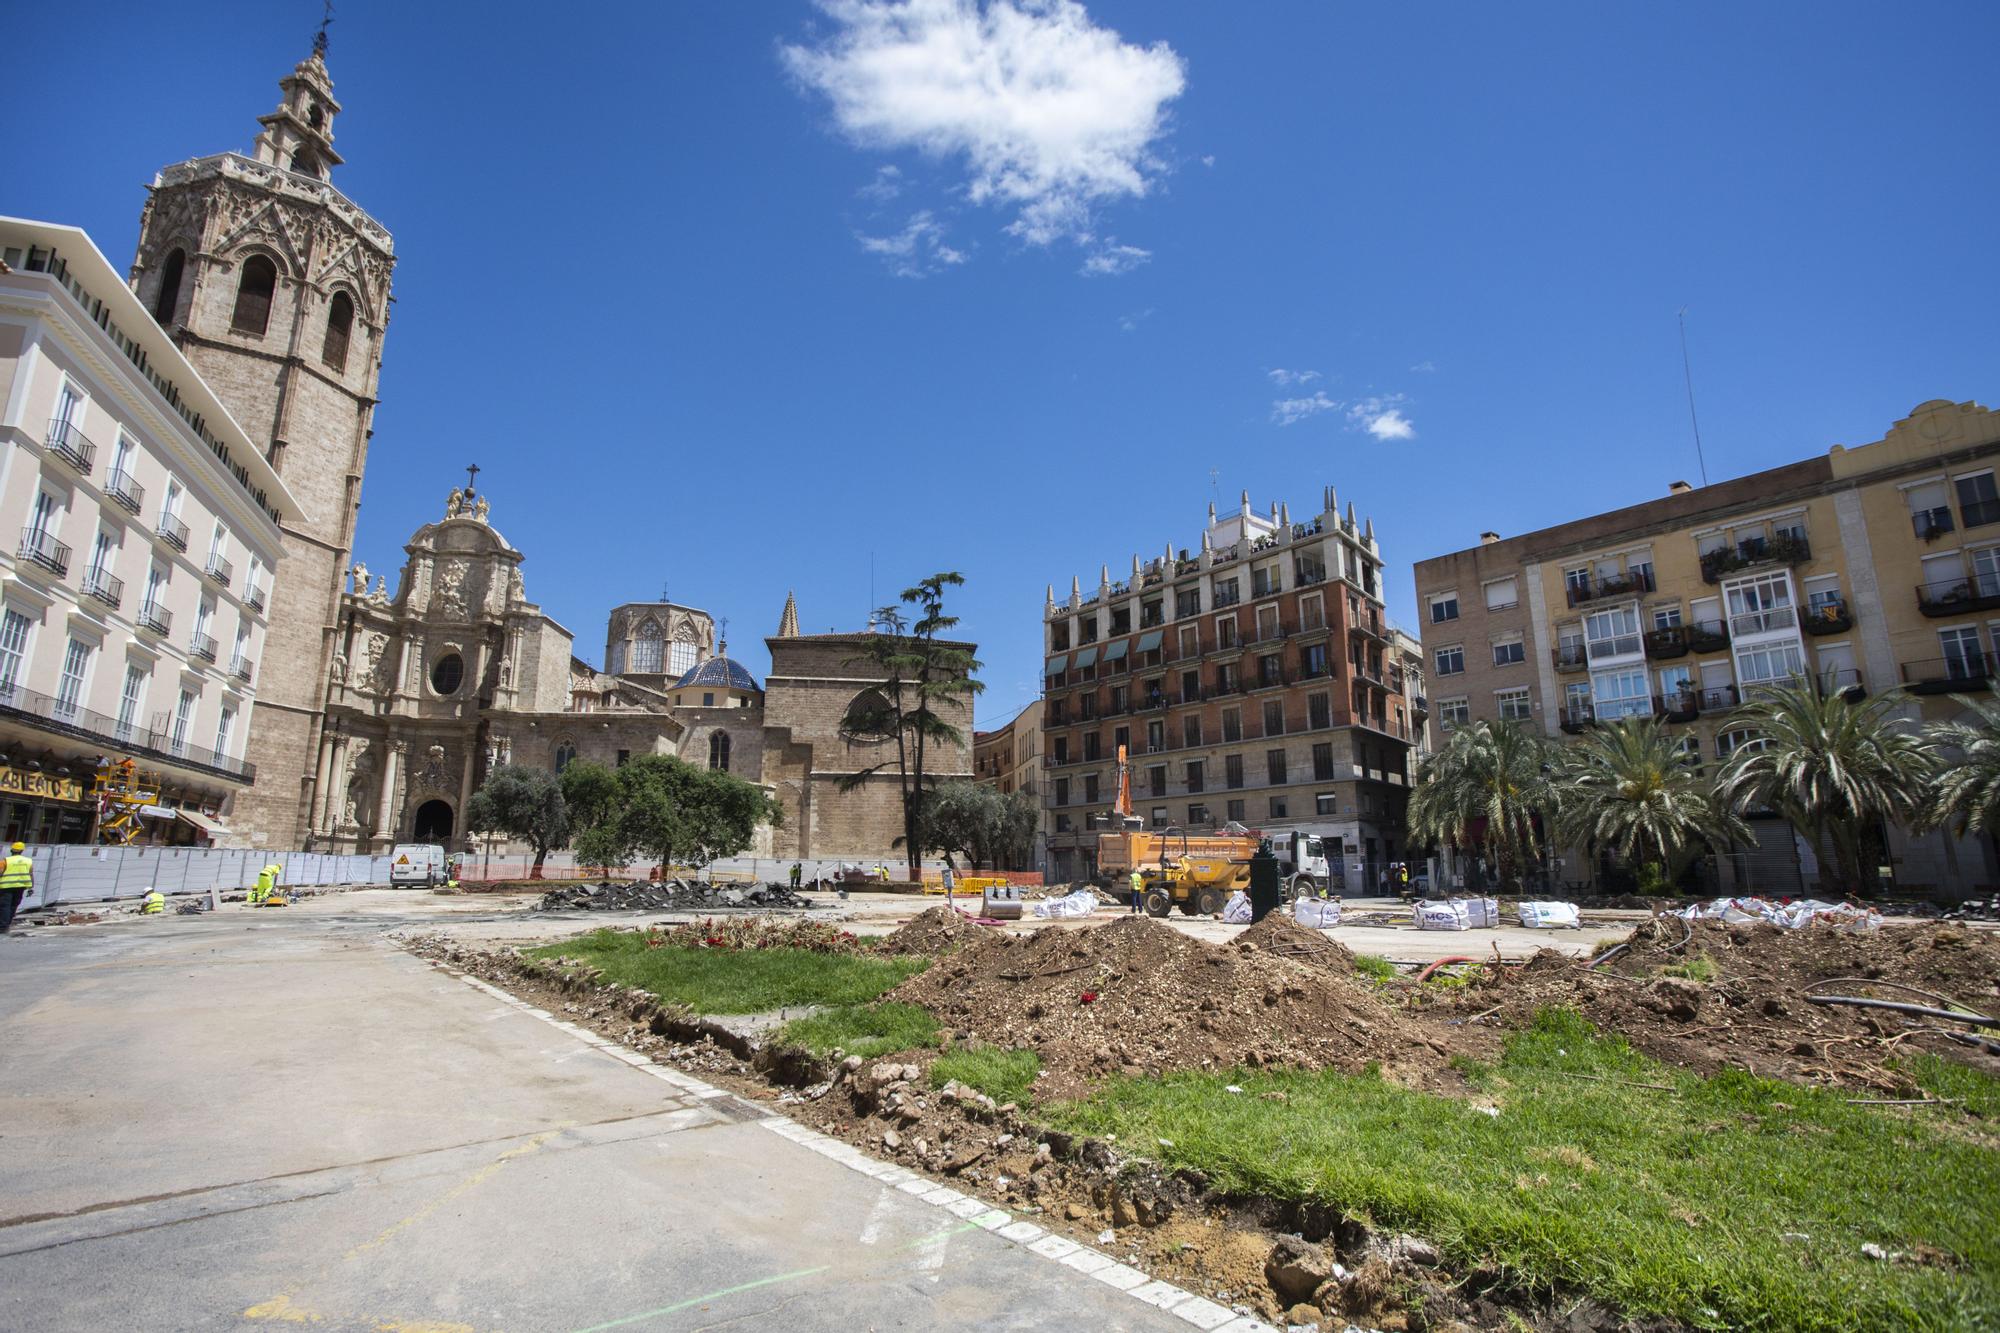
(20, 846)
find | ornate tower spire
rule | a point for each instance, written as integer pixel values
(788, 623)
(298, 136)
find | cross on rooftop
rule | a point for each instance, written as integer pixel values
(471, 476)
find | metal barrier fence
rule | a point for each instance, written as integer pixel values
(563, 865)
(76, 874)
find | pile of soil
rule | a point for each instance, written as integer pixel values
(1282, 937)
(933, 931)
(1752, 1012)
(1138, 997)
(671, 895)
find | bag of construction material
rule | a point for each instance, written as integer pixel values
(1550, 916)
(1316, 913)
(1081, 903)
(1830, 916)
(1237, 910)
(1481, 913)
(1442, 915)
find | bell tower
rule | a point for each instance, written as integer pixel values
(275, 285)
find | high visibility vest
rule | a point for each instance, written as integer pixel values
(156, 903)
(265, 878)
(18, 876)
(1138, 882)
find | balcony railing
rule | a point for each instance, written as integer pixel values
(1830, 617)
(1931, 524)
(1682, 707)
(41, 547)
(1957, 674)
(173, 532)
(1951, 597)
(1780, 550)
(71, 445)
(203, 646)
(1570, 657)
(1575, 717)
(253, 597)
(1979, 513)
(1667, 641)
(156, 618)
(49, 713)
(1708, 636)
(1716, 698)
(124, 488)
(1766, 621)
(242, 668)
(1592, 588)
(220, 570)
(100, 583)
(1616, 645)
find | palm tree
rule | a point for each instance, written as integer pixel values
(1495, 772)
(1966, 795)
(1630, 788)
(1834, 769)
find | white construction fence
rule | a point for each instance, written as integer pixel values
(78, 874)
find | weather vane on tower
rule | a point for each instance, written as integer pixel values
(319, 38)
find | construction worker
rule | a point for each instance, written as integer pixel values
(154, 903)
(798, 876)
(881, 872)
(267, 879)
(17, 881)
(1138, 891)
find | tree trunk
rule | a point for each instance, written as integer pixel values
(541, 854)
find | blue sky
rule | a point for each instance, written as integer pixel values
(738, 298)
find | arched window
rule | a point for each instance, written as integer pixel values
(718, 750)
(253, 295)
(683, 657)
(649, 649)
(565, 752)
(169, 298)
(869, 720)
(339, 320)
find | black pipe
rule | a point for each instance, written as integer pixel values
(1903, 1008)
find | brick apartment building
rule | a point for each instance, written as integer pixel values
(1254, 681)
(1872, 568)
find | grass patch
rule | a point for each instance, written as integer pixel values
(1374, 965)
(735, 981)
(1699, 968)
(1667, 1204)
(1004, 1075)
(866, 1030)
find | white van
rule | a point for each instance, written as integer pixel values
(416, 865)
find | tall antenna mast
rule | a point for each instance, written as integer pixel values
(1687, 372)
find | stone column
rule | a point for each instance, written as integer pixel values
(335, 796)
(403, 666)
(385, 818)
(316, 819)
(464, 796)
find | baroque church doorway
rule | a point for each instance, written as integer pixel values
(434, 822)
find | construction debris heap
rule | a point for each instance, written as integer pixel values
(671, 895)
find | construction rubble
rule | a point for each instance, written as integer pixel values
(670, 895)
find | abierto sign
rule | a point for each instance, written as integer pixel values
(40, 786)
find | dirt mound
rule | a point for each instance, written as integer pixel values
(1135, 996)
(1281, 936)
(935, 930)
(671, 895)
(1708, 996)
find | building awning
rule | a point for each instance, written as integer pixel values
(1088, 657)
(1057, 664)
(1116, 650)
(208, 828)
(1149, 642)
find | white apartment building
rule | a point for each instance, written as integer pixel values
(138, 546)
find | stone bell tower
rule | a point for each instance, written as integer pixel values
(276, 287)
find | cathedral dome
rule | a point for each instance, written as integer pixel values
(719, 672)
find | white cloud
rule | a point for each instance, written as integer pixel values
(888, 183)
(1113, 259)
(1288, 411)
(1132, 321)
(1208, 159)
(1283, 377)
(917, 251)
(1382, 417)
(1052, 114)
(1424, 368)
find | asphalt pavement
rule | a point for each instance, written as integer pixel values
(271, 1119)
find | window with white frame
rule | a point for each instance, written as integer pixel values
(1978, 500)
(1617, 694)
(1513, 705)
(1612, 632)
(1963, 659)
(1450, 661)
(13, 651)
(1743, 738)
(131, 697)
(44, 518)
(253, 580)
(1985, 570)
(69, 407)
(1444, 606)
(1770, 664)
(183, 715)
(1760, 605)
(1930, 508)
(1502, 594)
(1454, 712)
(1666, 617)
(223, 725)
(1576, 699)
(1822, 594)
(1675, 681)
(75, 674)
(1509, 651)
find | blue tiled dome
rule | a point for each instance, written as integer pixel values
(719, 672)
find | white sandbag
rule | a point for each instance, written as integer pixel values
(1481, 913)
(1237, 910)
(1316, 913)
(1442, 916)
(1081, 903)
(1550, 916)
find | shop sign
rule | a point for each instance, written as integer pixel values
(42, 786)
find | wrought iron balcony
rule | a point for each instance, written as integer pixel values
(1958, 674)
(1668, 641)
(1570, 657)
(1708, 636)
(242, 668)
(220, 570)
(253, 597)
(203, 646)
(1592, 588)
(48, 712)
(124, 488)
(1828, 618)
(156, 618)
(71, 445)
(1780, 550)
(1953, 597)
(1717, 698)
(41, 547)
(100, 583)
(1575, 717)
(1682, 707)
(173, 532)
